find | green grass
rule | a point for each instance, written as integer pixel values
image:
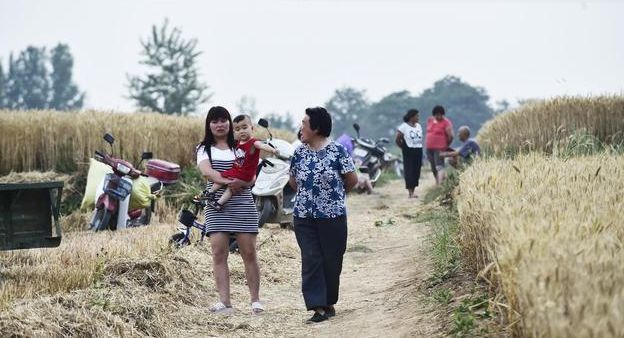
(445, 251)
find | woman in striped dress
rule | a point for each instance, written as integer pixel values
(215, 154)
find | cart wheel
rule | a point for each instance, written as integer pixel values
(100, 220)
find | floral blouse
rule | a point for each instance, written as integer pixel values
(320, 189)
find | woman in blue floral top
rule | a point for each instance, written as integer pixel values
(321, 171)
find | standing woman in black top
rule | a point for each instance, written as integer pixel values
(409, 139)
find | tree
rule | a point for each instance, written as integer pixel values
(65, 94)
(2, 87)
(286, 122)
(171, 85)
(347, 106)
(387, 114)
(28, 84)
(247, 105)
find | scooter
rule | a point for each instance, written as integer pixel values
(274, 197)
(114, 190)
(374, 157)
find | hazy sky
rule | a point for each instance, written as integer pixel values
(292, 54)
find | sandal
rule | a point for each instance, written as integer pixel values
(330, 311)
(256, 308)
(221, 308)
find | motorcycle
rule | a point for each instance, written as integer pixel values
(273, 196)
(112, 208)
(373, 157)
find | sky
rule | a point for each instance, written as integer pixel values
(291, 54)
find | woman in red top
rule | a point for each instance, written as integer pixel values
(246, 162)
(438, 139)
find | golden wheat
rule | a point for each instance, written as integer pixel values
(49, 140)
(542, 125)
(548, 233)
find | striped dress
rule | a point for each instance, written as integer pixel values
(239, 214)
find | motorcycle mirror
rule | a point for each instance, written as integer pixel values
(263, 123)
(356, 127)
(147, 155)
(109, 138)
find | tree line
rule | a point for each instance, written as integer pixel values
(37, 79)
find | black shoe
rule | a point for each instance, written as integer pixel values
(330, 311)
(317, 318)
(215, 205)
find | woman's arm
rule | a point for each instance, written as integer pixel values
(237, 185)
(350, 179)
(399, 139)
(210, 174)
(293, 183)
(449, 134)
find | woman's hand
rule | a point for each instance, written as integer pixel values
(350, 179)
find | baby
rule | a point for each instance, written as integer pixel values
(245, 163)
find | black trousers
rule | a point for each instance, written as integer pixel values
(323, 242)
(412, 162)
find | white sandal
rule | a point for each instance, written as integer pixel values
(221, 308)
(256, 308)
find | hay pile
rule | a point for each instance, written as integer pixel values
(132, 283)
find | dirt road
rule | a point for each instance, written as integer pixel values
(384, 266)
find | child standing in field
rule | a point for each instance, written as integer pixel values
(247, 157)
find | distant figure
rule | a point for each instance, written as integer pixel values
(466, 153)
(346, 142)
(364, 182)
(409, 139)
(438, 140)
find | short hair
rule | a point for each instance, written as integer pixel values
(462, 128)
(438, 110)
(320, 120)
(410, 113)
(241, 117)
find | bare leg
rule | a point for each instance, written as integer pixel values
(247, 247)
(220, 249)
(410, 192)
(215, 187)
(227, 194)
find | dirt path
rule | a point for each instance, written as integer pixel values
(384, 266)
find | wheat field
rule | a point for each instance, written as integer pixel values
(545, 126)
(61, 141)
(547, 233)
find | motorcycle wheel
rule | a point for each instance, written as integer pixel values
(100, 220)
(265, 209)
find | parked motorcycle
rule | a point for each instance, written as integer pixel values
(373, 157)
(274, 197)
(112, 208)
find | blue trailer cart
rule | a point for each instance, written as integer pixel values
(29, 215)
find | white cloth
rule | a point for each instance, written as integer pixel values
(411, 135)
(216, 153)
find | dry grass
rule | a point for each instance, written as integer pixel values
(548, 234)
(131, 283)
(60, 141)
(546, 125)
